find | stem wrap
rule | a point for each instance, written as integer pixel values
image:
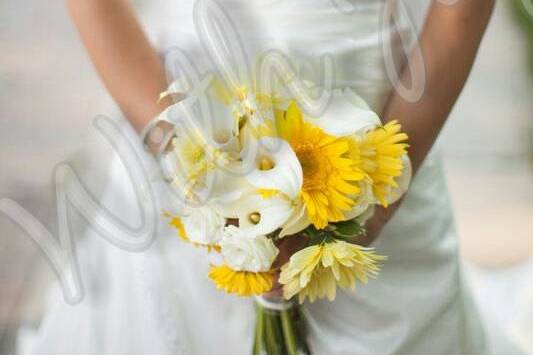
(279, 328)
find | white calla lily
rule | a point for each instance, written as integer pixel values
(346, 114)
(257, 214)
(224, 122)
(226, 188)
(208, 116)
(275, 166)
(297, 221)
(247, 252)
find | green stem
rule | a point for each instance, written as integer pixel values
(276, 319)
(259, 330)
(288, 332)
(270, 343)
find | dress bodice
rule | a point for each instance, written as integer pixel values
(358, 35)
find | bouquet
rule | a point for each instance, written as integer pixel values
(252, 168)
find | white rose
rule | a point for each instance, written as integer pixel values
(203, 225)
(247, 252)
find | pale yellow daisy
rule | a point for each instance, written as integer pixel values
(315, 272)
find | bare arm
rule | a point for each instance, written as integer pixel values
(128, 65)
(449, 42)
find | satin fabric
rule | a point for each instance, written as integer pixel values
(161, 302)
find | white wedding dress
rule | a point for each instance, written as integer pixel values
(160, 301)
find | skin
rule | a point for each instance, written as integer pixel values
(134, 74)
(449, 42)
(127, 63)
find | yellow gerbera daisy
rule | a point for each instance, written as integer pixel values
(381, 152)
(315, 271)
(329, 174)
(242, 283)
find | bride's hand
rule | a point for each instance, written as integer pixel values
(287, 246)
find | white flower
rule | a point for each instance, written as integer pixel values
(203, 225)
(243, 252)
(276, 175)
(276, 167)
(347, 114)
(257, 214)
(204, 147)
(297, 221)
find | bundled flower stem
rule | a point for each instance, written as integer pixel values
(279, 330)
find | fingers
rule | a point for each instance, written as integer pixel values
(276, 292)
(287, 247)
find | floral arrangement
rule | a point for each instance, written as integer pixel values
(252, 168)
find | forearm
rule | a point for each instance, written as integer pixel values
(128, 65)
(449, 42)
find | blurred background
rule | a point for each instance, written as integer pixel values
(49, 94)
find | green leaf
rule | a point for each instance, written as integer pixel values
(350, 228)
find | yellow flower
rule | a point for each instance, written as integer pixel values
(329, 174)
(315, 271)
(381, 152)
(242, 283)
